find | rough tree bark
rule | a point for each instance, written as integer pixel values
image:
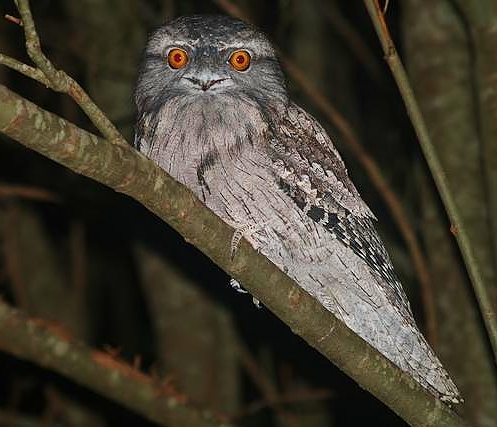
(444, 84)
(126, 171)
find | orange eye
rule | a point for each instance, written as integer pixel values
(177, 58)
(240, 60)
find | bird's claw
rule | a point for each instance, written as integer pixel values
(237, 287)
(244, 231)
(235, 284)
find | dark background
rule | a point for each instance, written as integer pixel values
(103, 269)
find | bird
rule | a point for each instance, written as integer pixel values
(214, 112)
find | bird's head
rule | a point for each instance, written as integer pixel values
(206, 58)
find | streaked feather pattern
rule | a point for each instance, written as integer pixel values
(262, 163)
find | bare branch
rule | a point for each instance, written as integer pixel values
(20, 67)
(30, 340)
(370, 167)
(58, 80)
(288, 398)
(486, 305)
(125, 170)
(27, 192)
(13, 19)
(265, 386)
(354, 41)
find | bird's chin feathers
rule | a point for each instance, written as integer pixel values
(189, 129)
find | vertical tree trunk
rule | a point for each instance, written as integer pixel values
(40, 283)
(480, 19)
(195, 336)
(440, 66)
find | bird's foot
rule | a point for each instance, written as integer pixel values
(237, 287)
(244, 231)
(235, 284)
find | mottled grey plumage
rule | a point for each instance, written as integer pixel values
(262, 163)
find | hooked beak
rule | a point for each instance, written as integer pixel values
(205, 84)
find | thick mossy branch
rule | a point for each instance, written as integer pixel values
(369, 164)
(160, 403)
(125, 170)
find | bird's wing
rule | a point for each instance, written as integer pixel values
(310, 170)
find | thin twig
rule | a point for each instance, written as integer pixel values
(372, 170)
(232, 9)
(78, 271)
(8, 191)
(20, 67)
(385, 7)
(13, 19)
(288, 398)
(61, 410)
(263, 383)
(59, 80)
(12, 257)
(354, 41)
(486, 306)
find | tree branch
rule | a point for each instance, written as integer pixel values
(125, 170)
(20, 67)
(480, 22)
(459, 230)
(27, 192)
(29, 340)
(58, 80)
(369, 165)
